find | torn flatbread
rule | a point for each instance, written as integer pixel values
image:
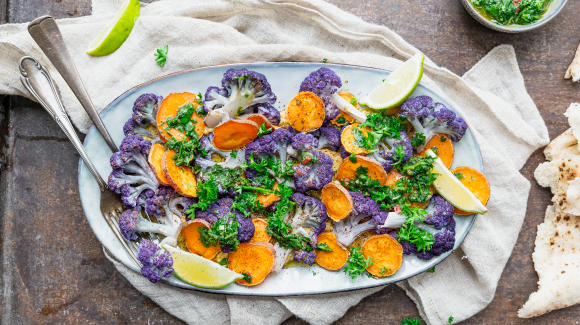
(574, 68)
(568, 170)
(557, 261)
(564, 146)
(573, 115)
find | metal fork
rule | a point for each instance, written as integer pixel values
(39, 83)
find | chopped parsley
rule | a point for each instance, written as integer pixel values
(313, 273)
(324, 60)
(323, 247)
(247, 277)
(234, 154)
(352, 158)
(431, 270)
(411, 321)
(341, 120)
(161, 55)
(450, 319)
(222, 232)
(263, 130)
(443, 139)
(353, 101)
(357, 263)
(435, 150)
(378, 127)
(384, 270)
(418, 139)
(459, 175)
(225, 261)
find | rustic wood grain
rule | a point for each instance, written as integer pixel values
(54, 271)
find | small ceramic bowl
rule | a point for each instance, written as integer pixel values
(552, 12)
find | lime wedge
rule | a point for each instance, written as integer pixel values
(112, 37)
(452, 190)
(198, 271)
(398, 86)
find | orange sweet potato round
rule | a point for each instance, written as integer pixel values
(348, 141)
(387, 255)
(348, 97)
(155, 155)
(253, 259)
(260, 234)
(259, 119)
(268, 199)
(234, 134)
(445, 149)
(190, 232)
(305, 112)
(334, 260)
(181, 178)
(168, 108)
(337, 200)
(476, 182)
(347, 169)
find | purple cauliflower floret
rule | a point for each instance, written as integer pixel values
(131, 173)
(178, 205)
(309, 217)
(324, 83)
(443, 214)
(431, 118)
(132, 222)
(283, 138)
(328, 137)
(302, 142)
(349, 228)
(240, 89)
(390, 158)
(246, 230)
(205, 162)
(306, 257)
(343, 153)
(444, 242)
(133, 128)
(155, 261)
(314, 175)
(145, 109)
(216, 210)
(158, 203)
(268, 110)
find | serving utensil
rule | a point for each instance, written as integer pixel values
(39, 83)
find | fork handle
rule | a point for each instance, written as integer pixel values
(39, 83)
(46, 33)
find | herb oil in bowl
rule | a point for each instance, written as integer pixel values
(512, 12)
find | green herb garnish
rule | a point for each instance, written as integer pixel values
(161, 55)
(357, 263)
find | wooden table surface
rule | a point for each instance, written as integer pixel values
(42, 214)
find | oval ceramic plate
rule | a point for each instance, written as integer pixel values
(285, 78)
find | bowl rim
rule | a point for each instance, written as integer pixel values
(515, 28)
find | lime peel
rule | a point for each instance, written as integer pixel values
(452, 190)
(198, 271)
(398, 86)
(115, 34)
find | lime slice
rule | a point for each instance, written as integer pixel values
(112, 37)
(198, 271)
(452, 190)
(398, 86)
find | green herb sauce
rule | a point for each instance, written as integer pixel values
(512, 12)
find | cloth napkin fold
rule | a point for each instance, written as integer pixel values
(492, 97)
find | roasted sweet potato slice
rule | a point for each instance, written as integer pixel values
(181, 178)
(155, 155)
(253, 259)
(268, 199)
(349, 119)
(234, 134)
(260, 234)
(259, 119)
(476, 182)
(334, 260)
(387, 255)
(348, 141)
(337, 200)
(190, 233)
(445, 149)
(305, 112)
(348, 168)
(168, 108)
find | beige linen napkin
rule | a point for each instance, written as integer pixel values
(491, 96)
